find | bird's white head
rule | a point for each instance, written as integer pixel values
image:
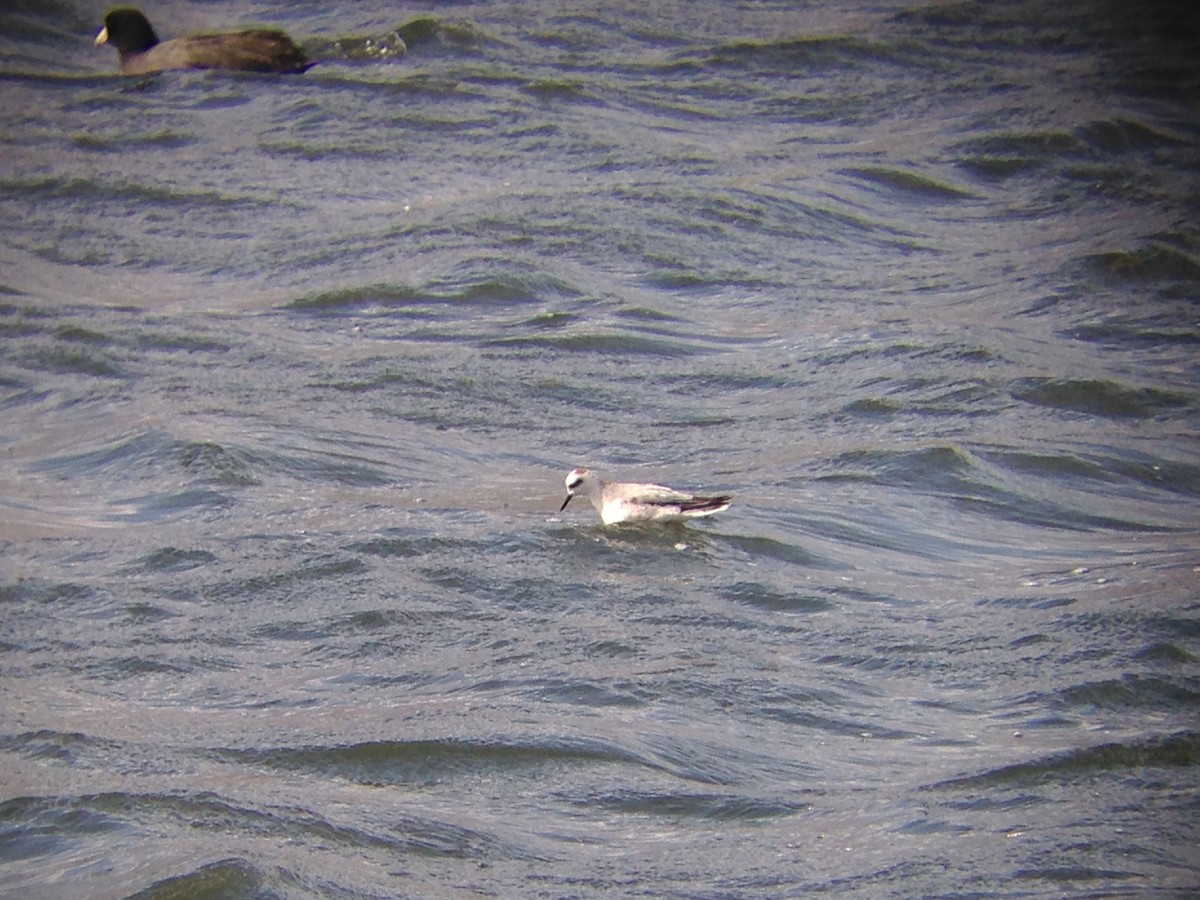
(576, 479)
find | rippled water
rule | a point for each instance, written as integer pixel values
(292, 370)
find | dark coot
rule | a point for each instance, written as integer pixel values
(260, 50)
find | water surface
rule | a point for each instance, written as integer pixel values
(292, 370)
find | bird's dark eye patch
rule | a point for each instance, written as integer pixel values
(574, 484)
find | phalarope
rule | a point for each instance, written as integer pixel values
(622, 502)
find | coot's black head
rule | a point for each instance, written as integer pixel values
(127, 30)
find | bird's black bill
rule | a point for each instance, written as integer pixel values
(565, 502)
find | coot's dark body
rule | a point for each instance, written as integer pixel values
(259, 50)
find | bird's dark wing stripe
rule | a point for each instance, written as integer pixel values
(705, 502)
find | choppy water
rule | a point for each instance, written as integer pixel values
(292, 370)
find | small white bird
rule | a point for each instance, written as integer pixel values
(621, 502)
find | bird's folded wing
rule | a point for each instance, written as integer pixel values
(253, 51)
(656, 493)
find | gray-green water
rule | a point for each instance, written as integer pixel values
(292, 369)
